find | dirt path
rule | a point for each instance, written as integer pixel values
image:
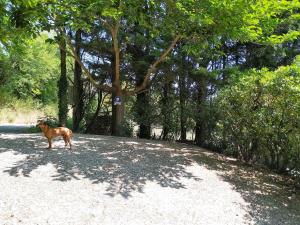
(109, 180)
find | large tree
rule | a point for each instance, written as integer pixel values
(201, 24)
(166, 22)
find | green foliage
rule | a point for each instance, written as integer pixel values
(169, 112)
(33, 130)
(126, 129)
(14, 110)
(259, 117)
(148, 115)
(31, 71)
(63, 99)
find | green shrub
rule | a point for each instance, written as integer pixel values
(127, 129)
(259, 118)
(34, 129)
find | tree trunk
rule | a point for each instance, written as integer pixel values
(117, 115)
(117, 110)
(78, 110)
(182, 99)
(166, 111)
(143, 105)
(142, 102)
(63, 86)
(199, 138)
(88, 127)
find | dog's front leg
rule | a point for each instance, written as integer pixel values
(50, 144)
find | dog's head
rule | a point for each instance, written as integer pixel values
(41, 124)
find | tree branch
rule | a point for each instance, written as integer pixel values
(102, 87)
(153, 67)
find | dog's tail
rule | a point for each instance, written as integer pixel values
(71, 133)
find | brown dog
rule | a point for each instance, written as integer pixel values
(54, 132)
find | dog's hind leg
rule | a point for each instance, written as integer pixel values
(66, 140)
(69, 140)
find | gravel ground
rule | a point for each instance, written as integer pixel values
(109, 180)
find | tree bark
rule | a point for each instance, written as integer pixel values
(78, 110)
(88, 127)
(199, 137)
(182, 99)
(117, 114)
(63, 86)
(117, 110)
(166, 111)
(142, 104)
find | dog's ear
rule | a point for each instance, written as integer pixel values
(40, 122)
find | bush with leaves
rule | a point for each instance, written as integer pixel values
(30, 70)
(259, 117)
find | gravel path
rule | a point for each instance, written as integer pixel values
(109, 180)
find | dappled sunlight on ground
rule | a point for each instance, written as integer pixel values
(272, 198)
(132, 163)
(128, 167)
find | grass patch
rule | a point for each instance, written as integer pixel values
(24, 111)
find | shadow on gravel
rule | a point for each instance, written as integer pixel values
(126, 165)
(272, 198)
(123, 164)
